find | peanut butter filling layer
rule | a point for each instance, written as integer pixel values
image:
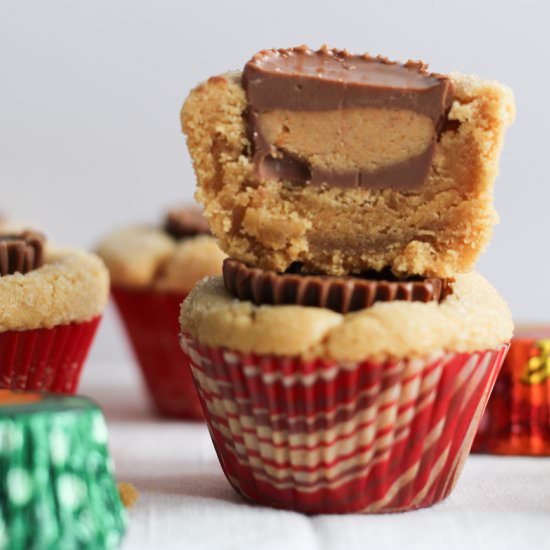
(354, 147)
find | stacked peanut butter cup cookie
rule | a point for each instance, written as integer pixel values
(344, 358)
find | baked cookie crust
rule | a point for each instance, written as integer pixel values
(147, 257)
(71, 286)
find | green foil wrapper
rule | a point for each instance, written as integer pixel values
(57, 490)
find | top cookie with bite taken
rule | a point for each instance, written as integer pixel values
(347, 163)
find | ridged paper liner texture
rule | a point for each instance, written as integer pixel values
(326, 437)
(151, 322)
(517, 418)
(56, 477)
(341, 294)
(46, 359)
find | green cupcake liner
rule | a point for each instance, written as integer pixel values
(57, 490)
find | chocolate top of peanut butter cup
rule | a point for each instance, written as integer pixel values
(340, 294)
(21, 253)
(185, 222)
(307, 80)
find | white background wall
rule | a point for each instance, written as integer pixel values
(90, 93)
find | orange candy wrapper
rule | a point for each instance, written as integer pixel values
(517, 418)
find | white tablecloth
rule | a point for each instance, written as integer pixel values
(186, 503)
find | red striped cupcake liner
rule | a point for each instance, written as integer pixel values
(151, 322)
(517, 417)
(45, 359)
(323, 437)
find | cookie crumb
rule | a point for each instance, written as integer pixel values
(128, 494)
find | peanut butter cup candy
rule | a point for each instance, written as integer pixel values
(348, 163)
(21, 253)
(340, 294)
(152, 269)
(51, 302)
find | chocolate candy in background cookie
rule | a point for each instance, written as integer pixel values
(21, 253)
(517, 418)
(186, 221)
(152, 269)
(56, 475)
(347, 163)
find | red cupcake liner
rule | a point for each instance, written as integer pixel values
(45, 359)
(322, 437)
(517, 418)
(151, 320)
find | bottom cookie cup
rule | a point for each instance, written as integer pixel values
(517, 418)
(151, 321)
(323, 436)
(46, 359)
